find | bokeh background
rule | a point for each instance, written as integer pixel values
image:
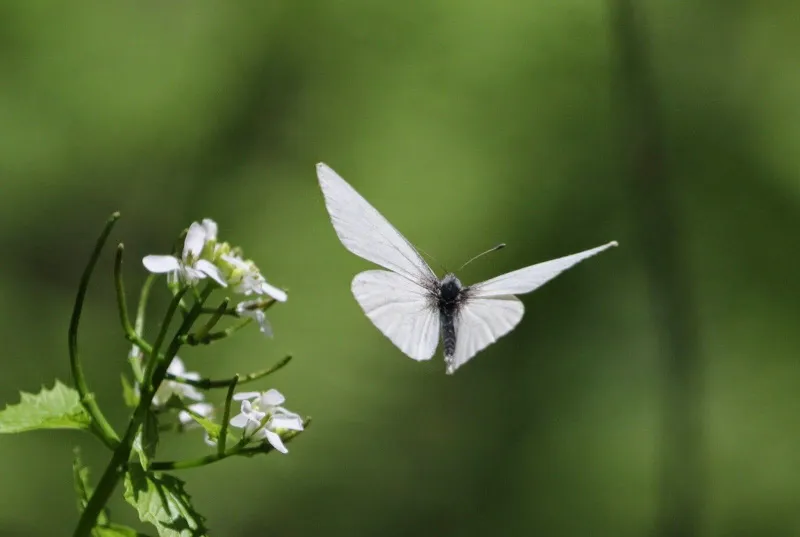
(652, 390)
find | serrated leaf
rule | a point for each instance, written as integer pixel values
(129, 394)
(57, 408)
(161, 500)
(146, 440)
(116, 530)
(83, 488)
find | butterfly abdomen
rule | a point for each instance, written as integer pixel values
(449, 297)
(448, 333)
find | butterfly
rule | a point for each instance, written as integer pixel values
(408, 303)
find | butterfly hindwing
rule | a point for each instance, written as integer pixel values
(400, 309)
(479, 323)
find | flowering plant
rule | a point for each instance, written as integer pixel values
(163, 394)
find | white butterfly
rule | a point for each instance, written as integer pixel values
(410, 305)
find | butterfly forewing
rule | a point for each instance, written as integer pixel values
(366, 233)
(401, 310)
(481, 322)
(530, 278)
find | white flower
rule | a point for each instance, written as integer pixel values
(247, 280)
(169, 388)
(262, 417)
(210, 228)
(252, 309)
(190, 268)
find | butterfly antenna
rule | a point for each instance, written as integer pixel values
(429, 256)
(489, 251)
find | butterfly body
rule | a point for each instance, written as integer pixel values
(450, 295)
(408, 303)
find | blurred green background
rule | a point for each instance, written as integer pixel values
(650, 390)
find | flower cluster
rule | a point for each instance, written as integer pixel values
(263, 418)
(204, 257)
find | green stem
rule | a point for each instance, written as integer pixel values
(207, 384)
(265, 304)
(122, 303)
(216, 457)
(154, 359)
(100, 426)
(223, 433)
(138, 330)
(143, 298)
(154, 375)
(230, 312)
(201, 334)
(222, 334)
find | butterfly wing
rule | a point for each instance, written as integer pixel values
(530, 278)
(491, 311)
(366, 233)
(400, 309)
(479, 323)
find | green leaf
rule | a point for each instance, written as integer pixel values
(161, 500)
(210, 427)
(129, 395)
(83, 488)
(59, 408)
(146, 439)
(116, 530)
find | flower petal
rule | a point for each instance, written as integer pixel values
(204, 409)
(191, 275)
(259, 316)
(281, 422)
(176, 367)
(278, 294)
(190, 392)
(272, 397)
(245, 395)
(236, 261)
(259, 434)
(209, 269)
(159, 264)
(256, 416)
(239, 420)
(210, 228)
(275, 440)
(195, 239)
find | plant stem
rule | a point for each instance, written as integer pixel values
(154, 375)
(207, 384)
(135, 337)
(226, 414)
(100, 426)
(201, 334)
(216, 457)
(122, 304)
(681, 502)
(138, 326)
